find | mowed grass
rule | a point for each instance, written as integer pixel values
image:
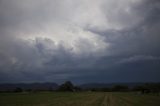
(78, 99)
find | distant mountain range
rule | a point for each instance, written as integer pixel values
(54, 86)
(29, 86)
(108, 85)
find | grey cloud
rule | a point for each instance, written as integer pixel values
(139, 58)
(78, 40)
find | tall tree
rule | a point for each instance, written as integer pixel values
(67, 86)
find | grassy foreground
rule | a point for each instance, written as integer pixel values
(78, 99)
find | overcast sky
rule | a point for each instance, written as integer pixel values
(79, 40)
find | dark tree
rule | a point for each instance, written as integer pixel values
(120, 88)
(67, 86)
(18, 90)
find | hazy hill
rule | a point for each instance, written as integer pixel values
(108, 85)
(29, 86)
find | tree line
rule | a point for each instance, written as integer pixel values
(69, 87)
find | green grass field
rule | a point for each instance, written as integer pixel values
(78, 99)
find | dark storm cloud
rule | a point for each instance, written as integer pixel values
(107, 41)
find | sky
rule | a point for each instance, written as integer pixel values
(79, 40)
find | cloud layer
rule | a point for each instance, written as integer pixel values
(79, 40)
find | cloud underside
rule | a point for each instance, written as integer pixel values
(82, 40)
